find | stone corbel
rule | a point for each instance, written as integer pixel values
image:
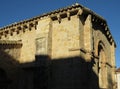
(108, 32)
(80, 11)
(35, 24)
(106, 28)
(18, 29)
(111, 40)
(109, 36)
(93, 18)
(12, 31)
(31, 25)
(68, 15)
(59, 18)
(25, 27)
(53, 17)
(6, 33)
(1, 34)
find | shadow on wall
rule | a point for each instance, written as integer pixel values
(8, 71)
(44, 73)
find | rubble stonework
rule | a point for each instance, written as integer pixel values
(70, 48)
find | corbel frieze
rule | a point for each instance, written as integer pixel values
(105, 27)
(10, 43)
(17, 28)
(66, 14)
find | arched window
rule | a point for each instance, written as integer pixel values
(102, 70)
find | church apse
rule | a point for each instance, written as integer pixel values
(70, 48)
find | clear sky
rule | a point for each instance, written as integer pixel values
(16, 10)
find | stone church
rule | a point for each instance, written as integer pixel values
(69, 48)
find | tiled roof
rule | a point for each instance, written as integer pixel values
(118, 70)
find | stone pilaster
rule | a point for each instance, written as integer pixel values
(50, 39)
(88, 37)
(113, 64)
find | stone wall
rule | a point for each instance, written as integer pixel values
(67, 48)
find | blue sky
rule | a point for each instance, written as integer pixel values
(16, 10)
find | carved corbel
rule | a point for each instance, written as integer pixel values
(35, 24)
(1, 33)
(80, 11)
(108, 32)
(6, 33)
(25, 27)
(18, 29)
(59, 18)
(106, 28)
(109, 36)
(31, 25)
(12, 31)
(68, 15)
(111, 40)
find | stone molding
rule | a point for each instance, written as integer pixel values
(5, 42)
(10, 44)
(17, 28)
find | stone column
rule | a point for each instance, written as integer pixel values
(88, 38)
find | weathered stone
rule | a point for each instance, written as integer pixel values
(74, 40)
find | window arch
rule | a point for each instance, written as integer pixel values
(102, 70)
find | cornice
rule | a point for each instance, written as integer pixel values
(57, 15)
(7, 42)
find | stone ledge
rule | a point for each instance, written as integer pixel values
(5, 42)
